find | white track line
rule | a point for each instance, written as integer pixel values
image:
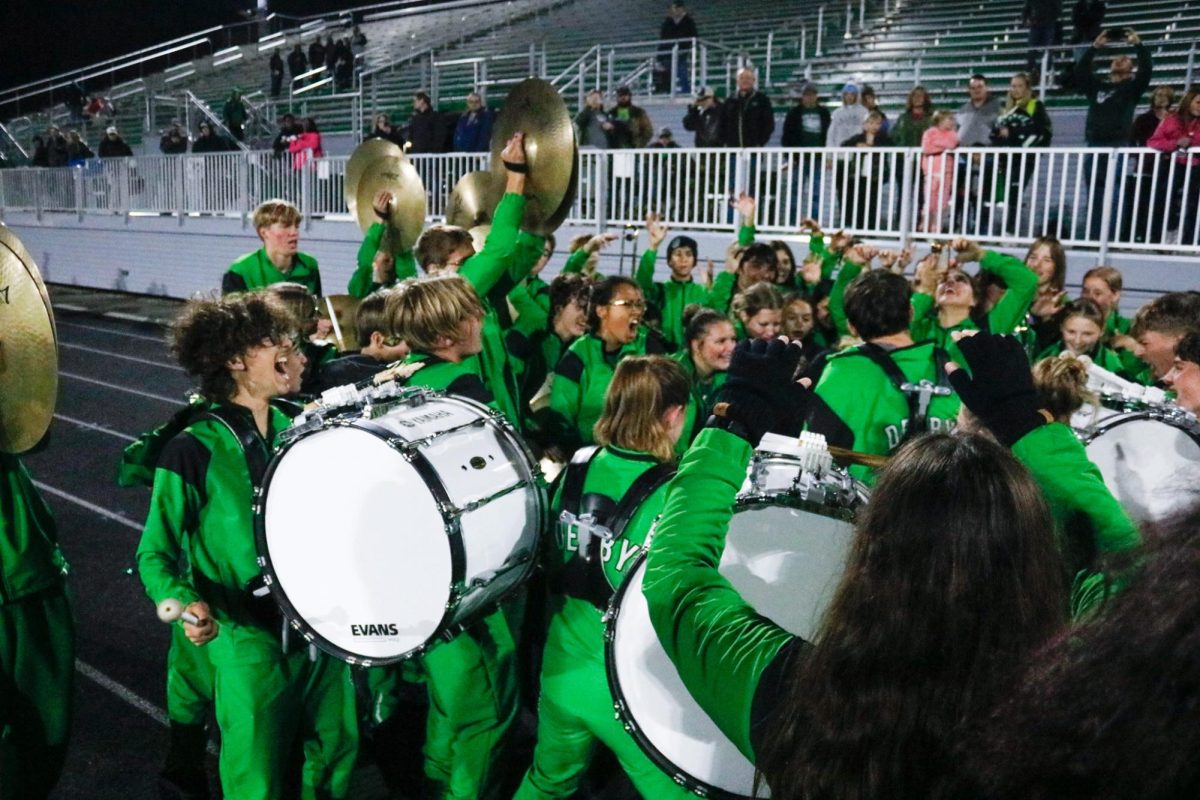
(110, 354)
(178, 401)
(120, 519)
(63, 324)
(129, 696)
(91, 426)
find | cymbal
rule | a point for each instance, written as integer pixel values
(395, 174)
(479, 234)
(474, 199)
(365, 154)
(535, 107)
(28, 349)
(343, 308)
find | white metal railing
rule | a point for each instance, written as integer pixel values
(1130, 199)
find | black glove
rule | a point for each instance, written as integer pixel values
(761, 392)
(999, 389)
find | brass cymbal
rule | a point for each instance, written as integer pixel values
(474, 199)
(343, 308)
(367, 153)
(535, 107)
(395, 174)
(28, 349)
(479, 234)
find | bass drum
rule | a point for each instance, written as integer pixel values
(1150, 461)
(785, 554)
(387, 528)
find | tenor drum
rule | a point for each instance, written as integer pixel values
(1150, 461)
(785, 553)
(386, 528)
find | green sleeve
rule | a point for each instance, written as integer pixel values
(1073, 484)
(529, 251)
(746, 235)
(716, 640)
(645, 272)
(816, 245)
(837, 306)
(576, 261)
(498, 258)
(174, 509)
(531, 317)
(721, 296)
(566, 400)
(1022, 283)
(922, 306)
(362, 282)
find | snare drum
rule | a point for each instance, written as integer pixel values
(385, 529)
(1150, 461)
(785, 554)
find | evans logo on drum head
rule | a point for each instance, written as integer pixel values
(387, 631)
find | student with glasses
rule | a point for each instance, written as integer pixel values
(583, 373)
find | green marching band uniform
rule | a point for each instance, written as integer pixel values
(584, 569)
(472, 679)
(700, 406)
(730, 658)
(670, 297)
(362, 282)
(1101, 356)
(37, 640)
(1004, 317)
(581, 378)
(724, 287)
(201, 516)
(255, 271)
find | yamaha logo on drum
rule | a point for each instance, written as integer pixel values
(421, 419)
(387, 630)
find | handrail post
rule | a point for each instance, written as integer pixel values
(1042, 79)
(803, 43)
(612, 68)
(849, 22)
(674, 68)
(532, 59)
(695, 52)
(862, 16)
(180, 197)
(77, 176)
(1110, 181)
(820, 30)
(906, 195)
(306, 192)
(600, 192)
(767, 68)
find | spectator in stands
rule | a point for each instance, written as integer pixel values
(112, 145)
(423, 131)
(1023, 123)
(234, 114)
(99, 106)
(288, 129)
(678, 27)
(41, 153)
(1041, 17)
(473, 133)
(916, 119)
(1180, 133)
(358, 40)
(307, 145)
(866, 176)
(343, 66)
(1162, 102)
(316, 53)
(56, 147)
(592, 122)
(1111, 104)
(276, 68)
(665, 139)
(384, 129)
(846, 121)
(704, 118)
(871, 103)
(937, 165)
(297, 63)
(77, 149)
(1087, 20)
(807, 123)
(75, 99)
(174, 141)
(748, 118)
(630, 124)
(331, 55)
(977, 116)
(209, 141)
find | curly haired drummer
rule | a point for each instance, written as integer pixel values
(266, 695)
(1184, 375)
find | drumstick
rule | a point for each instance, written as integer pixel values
(170, 610)
(840, 453)
(337, 329)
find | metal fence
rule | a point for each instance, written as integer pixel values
(1131, 199)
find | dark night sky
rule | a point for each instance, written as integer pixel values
(40, 38)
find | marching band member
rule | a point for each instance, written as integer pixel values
(607, 501)
(709, 339)
(378, 346)
(1184, 375)
(376, 267)
(201, 516)
(1159, 326)
(1081, 332)
(279, 259)
(758, 312)
(672, 296)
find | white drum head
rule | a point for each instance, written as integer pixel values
(784, 561)
(1152, 467)
(355, 545)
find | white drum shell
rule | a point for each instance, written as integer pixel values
(1150, 465)
(373, 550)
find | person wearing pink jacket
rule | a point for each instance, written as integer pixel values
(1180, 133)
(306, 145)
(938, 166)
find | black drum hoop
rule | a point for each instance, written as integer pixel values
(624, 714)
(1116, 420)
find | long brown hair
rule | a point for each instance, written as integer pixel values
(935, 612)
(1185, 105)
(641, 391)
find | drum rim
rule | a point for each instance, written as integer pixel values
(1143, 415)
(685, 779)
